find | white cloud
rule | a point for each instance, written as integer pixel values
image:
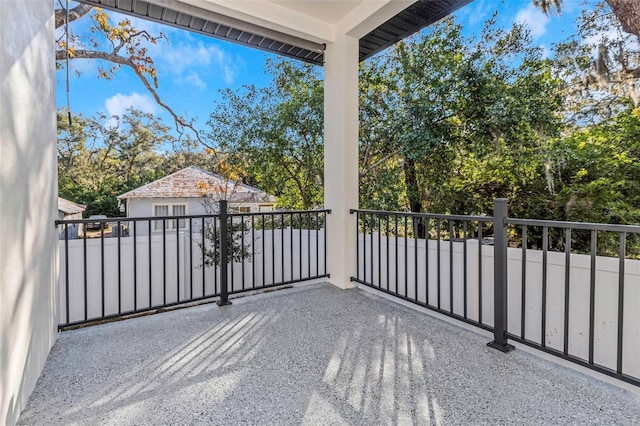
(119, 103)
(195, 79)
(533, 17)
(183, 58)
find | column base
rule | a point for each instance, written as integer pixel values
(502, 347)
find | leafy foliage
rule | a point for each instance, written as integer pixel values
(275, 134)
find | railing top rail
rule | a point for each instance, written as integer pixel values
(198, 216)
(575, 225)
(281, 212)
(133, 219)
(425, 215)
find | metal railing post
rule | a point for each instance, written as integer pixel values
(500, 276)
(224, 255)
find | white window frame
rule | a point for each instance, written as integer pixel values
(169, 224)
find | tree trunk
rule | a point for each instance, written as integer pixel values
(413, 195)
(628, 12)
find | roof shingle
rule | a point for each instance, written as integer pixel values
(194, 182)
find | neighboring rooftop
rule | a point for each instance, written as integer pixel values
(309, 355)
(69, 207)
(194, 182)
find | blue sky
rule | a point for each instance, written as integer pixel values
(193, 68)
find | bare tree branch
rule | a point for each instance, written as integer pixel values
(76, 13)
(121, 60)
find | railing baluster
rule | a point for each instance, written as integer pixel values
(66, 271)
(622, 254)
(373, 218)
(230, 242)
(203, 250)
(325, 242)
(426, 259)
(135, 267)
(592, 292)
(567, 278)
(119, 268)
(253, 252)
(177, 260)
(464, 269)
(308, 245)
(264, 249)
(84, 271)
(450, 266)
(216, 251)
(480, 223)
(415, 257)
(387, 250)
(396, 263)
(241, 249)
(523, 305)
(438, 252)
(406, 259)
(150, 261)
(379, 251)
(364, 247)
(273, 249)
(191, 258)
(102, 264)
(545, 248)
(164, 261)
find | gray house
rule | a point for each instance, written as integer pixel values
(186, 193)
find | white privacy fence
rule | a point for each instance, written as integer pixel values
(582, 307)
(392, 266)
(102, 278)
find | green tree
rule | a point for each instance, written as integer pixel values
(275, 134)
(97, 162)
(468, 119)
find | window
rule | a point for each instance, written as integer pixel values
(265, 208)
(161, 210)
(244, 209)
(180, 210)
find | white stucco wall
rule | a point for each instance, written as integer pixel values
(28, 199)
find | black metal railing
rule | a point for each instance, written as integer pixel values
(116, 267)
(413, 256)
(579, 302)
(539, 283)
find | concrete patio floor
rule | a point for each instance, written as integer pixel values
(310, 355)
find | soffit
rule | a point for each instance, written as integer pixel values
(411, 20)
(291, 28)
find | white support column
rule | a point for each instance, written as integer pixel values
(341, 156)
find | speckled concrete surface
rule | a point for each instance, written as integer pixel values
(313, 356)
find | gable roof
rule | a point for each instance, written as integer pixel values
(194, 182)
(69, 207)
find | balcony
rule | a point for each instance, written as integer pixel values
(309, 355)
(318, 354)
